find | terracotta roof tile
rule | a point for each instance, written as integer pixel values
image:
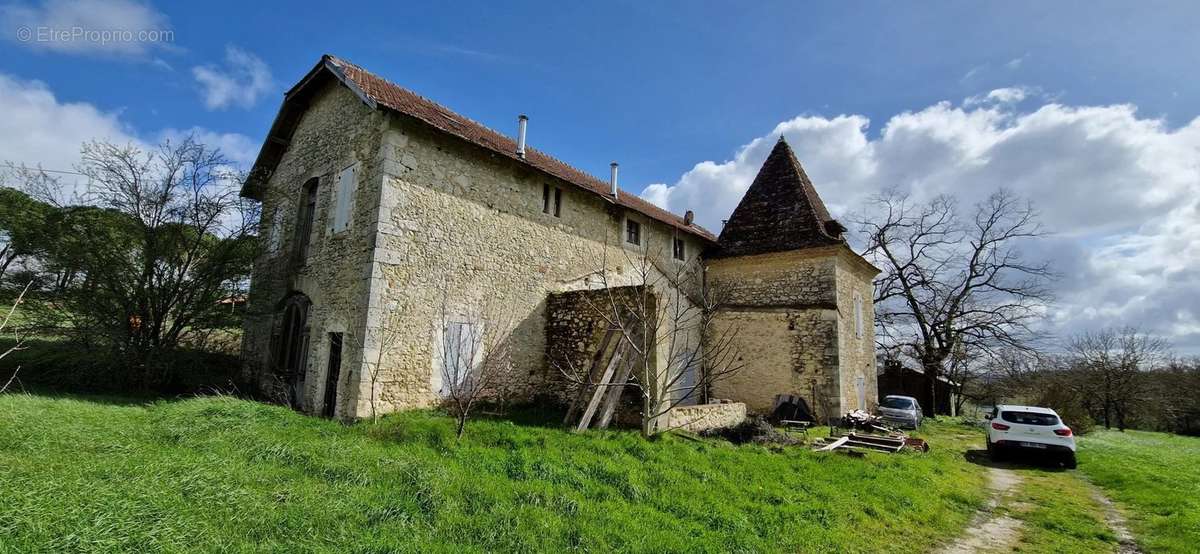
(405, 101)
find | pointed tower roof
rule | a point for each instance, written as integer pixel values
(779, 212)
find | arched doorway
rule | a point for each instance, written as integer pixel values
(291, 352)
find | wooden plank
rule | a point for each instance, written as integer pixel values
(870, 446)
(586, 419)
(833, 445)
(614, 395)
(576, 404)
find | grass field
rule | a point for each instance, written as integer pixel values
(218, 474)
(1060, 515)
(224, 474)
(1156, 478)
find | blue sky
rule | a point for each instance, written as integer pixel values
(656, 85)
(1088, 108)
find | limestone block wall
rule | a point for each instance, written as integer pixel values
(785, 313)
(461, 227)
(575, 330)
(855, 292)
(781, 352)
(702, 417)
(337, 131)
(797, 279)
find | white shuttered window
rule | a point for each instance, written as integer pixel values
(343, 205)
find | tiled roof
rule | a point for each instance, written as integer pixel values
(382, 93)
(780, 211)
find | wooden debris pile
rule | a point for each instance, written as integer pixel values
(867, 433)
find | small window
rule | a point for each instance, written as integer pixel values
(552, 200)
(680, 250)
(308, 212)
(344, 203)
(633, 232)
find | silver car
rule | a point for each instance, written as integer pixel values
(902, 411)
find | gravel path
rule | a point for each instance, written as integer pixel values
(1116, 522)
(991, 532)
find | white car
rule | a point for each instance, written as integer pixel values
(1029, 429)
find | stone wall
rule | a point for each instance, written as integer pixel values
(702, 417)
(337, 131)
(781, 352)
(795, 279)
(857, 350)
(576, 324)
(791, 316)
(461, 227)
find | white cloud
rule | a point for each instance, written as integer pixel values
(1015, 63)
(119, 28)
(38, 129)
(1121, 192)
(1008, 95)
(240, 82)
(239, 149)
(973, 72)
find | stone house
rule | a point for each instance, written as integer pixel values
(391, 224)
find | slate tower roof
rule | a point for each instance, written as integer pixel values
(779, 212)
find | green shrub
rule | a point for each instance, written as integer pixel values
(67, 366)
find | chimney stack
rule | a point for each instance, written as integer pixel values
(613, 179)
(688, 217)
(522, 122)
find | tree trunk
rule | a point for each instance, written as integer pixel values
(929, 403)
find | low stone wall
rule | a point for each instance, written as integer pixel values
(707, 416)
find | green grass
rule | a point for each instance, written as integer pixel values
(1155, 477)
(219, 474)
(1060, 515)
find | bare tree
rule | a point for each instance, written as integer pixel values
(953, 284)
(162, 238)
(386, 337)
(18, 340)
(664, 315)
(1111, 368)
(473, 351)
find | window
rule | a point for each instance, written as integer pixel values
(347, 183)
(290, 348)
(680, 250)
(1030, 418)
(897, 403)
(552, 200)
(459, 341)
(304, 224)
(858, 315)
(633, 232)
